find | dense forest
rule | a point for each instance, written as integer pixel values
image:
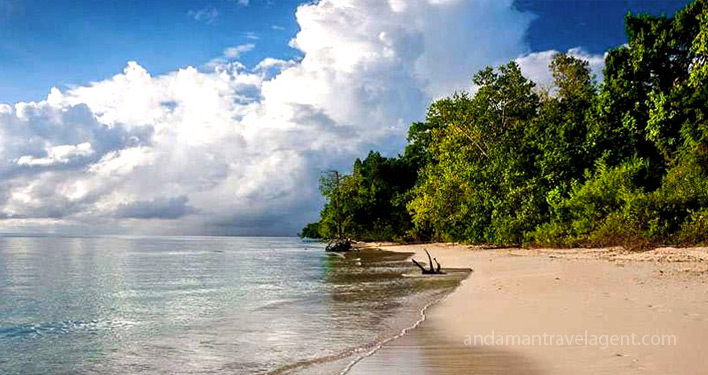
(620, 162)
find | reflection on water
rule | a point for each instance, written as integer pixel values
(425, 351)
(193, 305)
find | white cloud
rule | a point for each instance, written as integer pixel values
(270, 67)
(535, 65)
(239, 151)
(207, 15)
(229, 59)
(235, 52)
(58, 155)
(252, 35)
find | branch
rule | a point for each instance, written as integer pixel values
(419, 266)
(430, 259)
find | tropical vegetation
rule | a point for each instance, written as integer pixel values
(620, 162)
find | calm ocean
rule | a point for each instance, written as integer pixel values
(199, 305)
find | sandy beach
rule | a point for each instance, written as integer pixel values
(587, 311)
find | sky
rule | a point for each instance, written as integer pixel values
(217, 116)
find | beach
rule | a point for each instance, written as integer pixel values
(545, 311)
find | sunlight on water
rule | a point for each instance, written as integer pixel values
(192, 305)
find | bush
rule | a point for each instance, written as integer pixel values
(694, 230)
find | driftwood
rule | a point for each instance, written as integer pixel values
(339, 245)
(433, 270)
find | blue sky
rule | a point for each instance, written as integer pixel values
(50, 43)
(594, 25)
(57, 42)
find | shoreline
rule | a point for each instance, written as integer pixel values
(405, 331)
(604, 292)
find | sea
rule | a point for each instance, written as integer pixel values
(201, 305)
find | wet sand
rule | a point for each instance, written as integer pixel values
(526, 293)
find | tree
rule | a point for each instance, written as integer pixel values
(334, 219)
(480, 184)
(560, 130)
(311, 230)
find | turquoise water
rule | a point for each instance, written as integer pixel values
(197, 305)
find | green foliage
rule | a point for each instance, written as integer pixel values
(370, 201)
(694, 230)
(311, 230)
(598, 212)
(481, 183)
(624, 162)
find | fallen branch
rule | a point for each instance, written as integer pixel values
(433, 270)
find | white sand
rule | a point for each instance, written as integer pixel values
(526, 293)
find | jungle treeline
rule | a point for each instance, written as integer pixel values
(619, 162)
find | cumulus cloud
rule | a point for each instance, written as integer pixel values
(235, 150)
(534, 66)
(58, 155)
(270, 63)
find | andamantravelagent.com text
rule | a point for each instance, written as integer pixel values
(603, 341)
